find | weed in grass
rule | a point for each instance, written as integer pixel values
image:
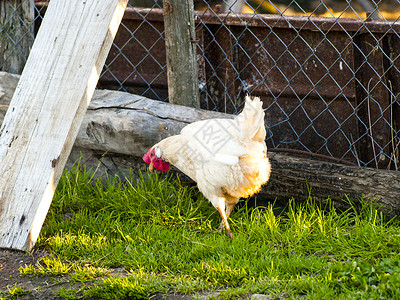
(185, 284)
(52, 266)
(379, 280)
(234, 293)
(68, 294)
(136, 286)
(87, 273)
(221, 274)
(46, 266)
(16, 292)
(167, 232)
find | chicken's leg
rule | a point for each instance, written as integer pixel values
(230, 204)
(221, 209)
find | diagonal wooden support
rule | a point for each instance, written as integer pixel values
(47, 109)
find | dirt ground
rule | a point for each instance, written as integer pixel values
(43, 287)
(39, 287)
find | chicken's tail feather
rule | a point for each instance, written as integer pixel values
(251, 119)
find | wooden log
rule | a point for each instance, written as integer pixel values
(129, 124)
(300, 178)
(16, 34)
(110, 126)
(47, 109)
(180, 43)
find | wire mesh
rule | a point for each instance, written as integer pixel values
(327, 71)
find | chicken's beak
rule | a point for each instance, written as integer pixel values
(151, 166)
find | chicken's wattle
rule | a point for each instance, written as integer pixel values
(155, 162)
(161, 165)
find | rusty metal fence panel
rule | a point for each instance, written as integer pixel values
(329, 83)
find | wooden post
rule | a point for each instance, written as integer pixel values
(16, 34)
(180, 43)
(47, 109)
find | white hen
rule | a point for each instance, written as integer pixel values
(226, 157)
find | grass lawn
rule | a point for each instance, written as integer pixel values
(165, 236)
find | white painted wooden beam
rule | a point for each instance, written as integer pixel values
(47, 109)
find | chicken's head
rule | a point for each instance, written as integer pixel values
(153, 158)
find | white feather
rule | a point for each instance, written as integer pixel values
(226, 159)
(157, 152)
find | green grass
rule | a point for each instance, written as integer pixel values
(165, 236)
(16, 292)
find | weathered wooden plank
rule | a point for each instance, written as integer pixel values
(47, 109)
(181, 51)
(373, 101)
(221, 68)
(391, 44)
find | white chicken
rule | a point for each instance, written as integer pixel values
(226, 157)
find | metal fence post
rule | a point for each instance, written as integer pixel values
(180, 42)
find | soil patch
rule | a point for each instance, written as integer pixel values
(44, 287)
(38, 287)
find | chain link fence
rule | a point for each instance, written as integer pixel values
(327, 71)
